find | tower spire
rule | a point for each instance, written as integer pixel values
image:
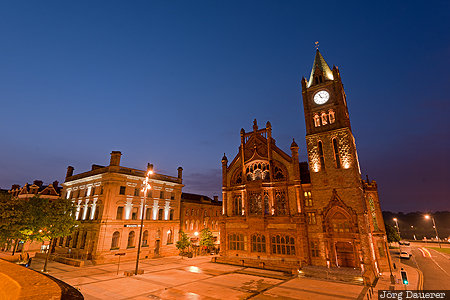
(320, 66)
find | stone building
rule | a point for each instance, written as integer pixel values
(199, 212)
(109, 206)
(279, 214)
(50, 191)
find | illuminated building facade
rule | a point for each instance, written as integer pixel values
(277, 214)
(199, 212)
(109, 206)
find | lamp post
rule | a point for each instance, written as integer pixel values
(435, 228)
(145, 190)
(414, 232)
(398, 229)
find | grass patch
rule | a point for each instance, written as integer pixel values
(443, 250)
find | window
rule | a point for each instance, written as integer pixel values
(283, 244)
(314, 249)
(308, 199)
(380, 245)
(171, 214)
(80, 214)
(187, 212)
(192, 225)
(122, 190)
(331, 116)
(312, 218)
(97, 212)
(75, 239)
(236, 242)
(101, 190)
(115, 240)
(75, 194)
(258, 243)
(255, 203)
(336, 154)
(169, 237)
(172, 196)
(68, 239)
(237, 205)
(161, 194)
(324, 118)
(131, 237)
(119, 214)
(322, 161)
(266, 203)
(160, 214)
(280, 203)
(186, 225)
(145, 239)
(136, 192)
(148, 214)
(83, 240)
(134, 213)
(316, 120)
(88, 213)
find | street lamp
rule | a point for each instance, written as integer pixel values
(145, 190)
(435, 228)
(398, 229)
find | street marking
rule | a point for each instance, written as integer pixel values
(437, 263)
(423, 253)
(426, 250)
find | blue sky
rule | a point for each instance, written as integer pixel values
(172, 83)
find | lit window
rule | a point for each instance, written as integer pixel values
(312, 218)
(331, 116)
(308, 199)
(324, 118)
(316, 120)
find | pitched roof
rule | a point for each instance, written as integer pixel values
(321, 64)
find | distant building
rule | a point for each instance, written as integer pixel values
(276, 215)
(50, 191)
(109, 206)
(199, 212)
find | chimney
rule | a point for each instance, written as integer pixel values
(115, 158)
(216, 198)
(55, 184)
(38, 183)
(69, 171)
(180, 172)
(15, 186)
(149, 167)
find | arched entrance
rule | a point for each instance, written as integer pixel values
(345, 256)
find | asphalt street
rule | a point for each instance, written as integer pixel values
(434, 265)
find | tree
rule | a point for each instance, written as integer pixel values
(392, 234)
(184, 241)
(48, 219)
(206, 238)
(12, 220)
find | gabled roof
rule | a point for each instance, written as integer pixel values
(321, 64)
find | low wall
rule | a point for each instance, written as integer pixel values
(17, 282)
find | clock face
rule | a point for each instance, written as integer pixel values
(321, 97)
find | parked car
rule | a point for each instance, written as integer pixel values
(405, 255)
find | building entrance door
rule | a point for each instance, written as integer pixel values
(345, 255)
(157, 245)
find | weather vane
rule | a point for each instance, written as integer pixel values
(316, 45)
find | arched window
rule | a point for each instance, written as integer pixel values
(145, 239)
(336, 153)
(186, 226)
(255, 203)
(131, 237)
(331, 116)
(308, 199)
(237, 205)
(192, 225)
(266, 204)
(88, 213)
(324, 118)
(322, 161)
(169, 237)
(316, 120)
(340, 224)
(115, 240)
(280, 203)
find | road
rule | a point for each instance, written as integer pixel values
(434, 265)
